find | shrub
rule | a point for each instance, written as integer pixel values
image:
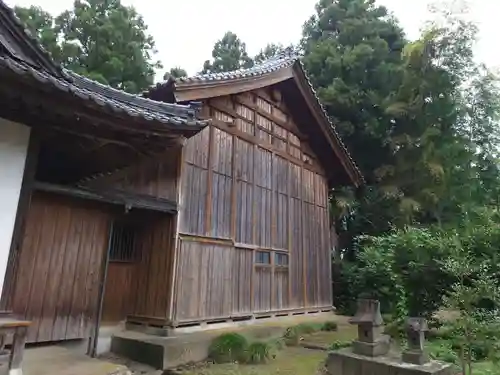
(229, 347)
(259, 352)
(329, 326)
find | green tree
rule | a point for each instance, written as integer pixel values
(175, 72)
(41, 25)
(229, 53)
(417, 131)
(352, 52)
(104, 40)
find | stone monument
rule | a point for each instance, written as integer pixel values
(371, 354)
(415, 331)
(371, 342)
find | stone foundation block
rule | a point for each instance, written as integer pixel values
(416, 357)
(381, 346)
(345, 362)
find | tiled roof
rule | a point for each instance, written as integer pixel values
(281, 61)
(107, 97)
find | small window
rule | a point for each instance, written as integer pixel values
(281, 259)
(263, 257)
(122, 246)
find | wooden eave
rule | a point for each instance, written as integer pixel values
(112, 196)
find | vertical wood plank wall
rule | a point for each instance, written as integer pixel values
(251, 183)
(150, 292)
(58, 271)
(157, 178)
(117, 301)
(144, 288)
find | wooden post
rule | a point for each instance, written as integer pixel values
(208, 201)
(171, 313)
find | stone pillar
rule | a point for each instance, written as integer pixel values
(415, 331)
(371, 342)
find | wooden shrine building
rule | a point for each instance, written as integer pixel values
(253, 229)
(133, 208)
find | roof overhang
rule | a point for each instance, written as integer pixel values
(27, 93)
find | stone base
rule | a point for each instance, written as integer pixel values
(417, 357)
(375, 349)
(345, 362)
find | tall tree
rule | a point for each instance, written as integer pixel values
(352, 52)
(104, 40)
(353, 56)
(229, 53)
(418, 133)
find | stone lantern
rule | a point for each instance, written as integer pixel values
(371, 342)
(415, 331)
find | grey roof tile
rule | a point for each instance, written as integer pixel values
(281, 61)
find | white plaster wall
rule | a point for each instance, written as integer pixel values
(14, 140)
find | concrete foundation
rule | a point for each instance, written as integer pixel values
(345, 362)
(154, 347)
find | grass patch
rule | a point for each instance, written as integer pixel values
(290, 361)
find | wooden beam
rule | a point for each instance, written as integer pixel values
(206, 239)
(115, 197)
(210, 172)
(254, 140)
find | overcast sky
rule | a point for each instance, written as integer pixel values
(185, 32)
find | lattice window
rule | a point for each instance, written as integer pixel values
(122, 247)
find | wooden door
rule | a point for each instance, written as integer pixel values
(59, 266)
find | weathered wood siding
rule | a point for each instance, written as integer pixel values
(152, 287)
(143, 287)
(59, 266)
(250, 183)
(120, 281)
(154, 177)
